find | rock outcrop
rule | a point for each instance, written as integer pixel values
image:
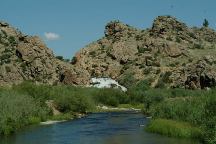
(169, 54)
(24, 57)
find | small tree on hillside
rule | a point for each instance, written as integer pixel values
(205, 23)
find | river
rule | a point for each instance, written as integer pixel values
(97, 128)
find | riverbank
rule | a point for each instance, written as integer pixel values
(96, 128)
(173, 128)
(26, 104)
(66, 117)
(120, 108)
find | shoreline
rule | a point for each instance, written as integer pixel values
(99, 109)
(116, 109)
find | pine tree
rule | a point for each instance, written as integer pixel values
(205, 23)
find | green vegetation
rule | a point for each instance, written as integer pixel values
(74, 60)
(175, 112)
(61, 58)
(18, 110)
(25, 104)
(173, 128)
(196, 107)
(205, 23)
(178, 39)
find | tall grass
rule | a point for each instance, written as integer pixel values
(196, 107)
(25, 103)
(174, 128)
(18, 110)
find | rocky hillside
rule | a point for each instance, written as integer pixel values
(169, 54)
(24, 57)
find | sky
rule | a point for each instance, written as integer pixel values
(69, 25)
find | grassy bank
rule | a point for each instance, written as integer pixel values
(25, 104)
(197, 108)
(173, 128)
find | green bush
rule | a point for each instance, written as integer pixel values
(71, 99)
(111, 97)
(205, 23)
(40, 92)
(17, 111)
(127, 80)
(137, 92)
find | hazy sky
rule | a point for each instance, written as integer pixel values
(68, 25)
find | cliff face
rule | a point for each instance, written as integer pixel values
(169, 54)
(25, 57)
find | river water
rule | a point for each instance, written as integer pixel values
(98, 128)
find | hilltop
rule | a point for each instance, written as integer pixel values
(27, 58)
(169, 54)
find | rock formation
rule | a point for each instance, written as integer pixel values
(168, 54)
(24, 57)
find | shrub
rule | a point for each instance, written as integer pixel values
(71, 99)
(17, 111)
(169, 38)
(12, 40)
(60, 58)
(38, 92)
(137, 92)
(92, 53)
(74, 60)
(205, 23)
(128, 80)
(178, 40)
(111, 97)
(198, 46)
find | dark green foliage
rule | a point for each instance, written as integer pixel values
(147, 70)
(142, 49)
(192, 35)
(169, 38)
(8, 69)
(40, 92)
(165, 77)
(74, 60)
(198, 46)
(92, 53)
(111, 97)
(137, 92)
(127, 80)
(16, 110)
(178, 40)
(60, 58)
(71, 99)
(66, 60)
(5, 58)
(12, 40)
(205, 23)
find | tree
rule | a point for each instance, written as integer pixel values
(60, 58)
(205, 23)
(74, 60)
